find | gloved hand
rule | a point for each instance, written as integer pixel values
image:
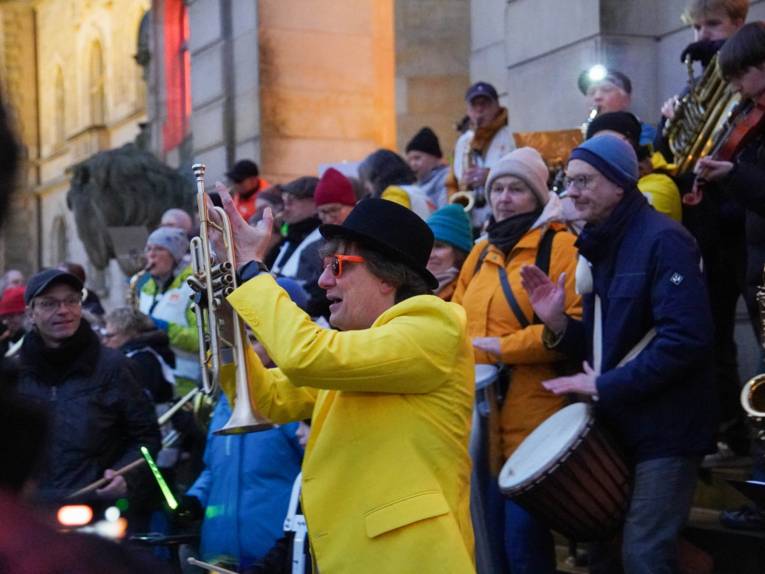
(702, 51)
(161, 324)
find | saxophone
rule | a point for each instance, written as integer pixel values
(465, 196)
(699, 116)
(133, 298)
(753, 393)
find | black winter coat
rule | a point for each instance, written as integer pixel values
(747, 184)
(99, 415)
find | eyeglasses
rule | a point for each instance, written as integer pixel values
(335, 262)
(49, 304)
(578, 182)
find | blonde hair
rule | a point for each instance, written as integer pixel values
(695, 9)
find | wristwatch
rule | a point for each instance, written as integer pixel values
(250, 270)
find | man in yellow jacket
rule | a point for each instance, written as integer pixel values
(386, 470)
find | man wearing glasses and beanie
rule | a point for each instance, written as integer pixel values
(646, 338)
(99, 416)
(390, 392)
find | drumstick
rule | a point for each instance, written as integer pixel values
(210, 567)
(103, 481)
(167, 442)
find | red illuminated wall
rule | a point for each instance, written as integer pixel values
(177, 74)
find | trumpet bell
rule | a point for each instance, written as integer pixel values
(243, 421)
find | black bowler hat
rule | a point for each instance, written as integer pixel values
(40, 282)
(391, 229)
(243, 169)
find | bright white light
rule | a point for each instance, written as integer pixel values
(74, 515)
(112, 514)
(597, 73)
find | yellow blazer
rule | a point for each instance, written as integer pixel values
(386, 471)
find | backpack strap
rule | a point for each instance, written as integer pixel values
(481, 257)
(511, 300)
(544, 253)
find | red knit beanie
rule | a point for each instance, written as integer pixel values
(12, 301)
(334, 187)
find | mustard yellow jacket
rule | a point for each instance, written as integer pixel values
(386, 470)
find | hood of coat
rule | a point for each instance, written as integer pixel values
(552, 212)
(157, 340)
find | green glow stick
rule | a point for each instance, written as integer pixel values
(166, 492)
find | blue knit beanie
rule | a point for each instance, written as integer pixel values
(451, 225)
(611, 156)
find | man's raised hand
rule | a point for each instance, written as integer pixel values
(547, 298)
(250, 243)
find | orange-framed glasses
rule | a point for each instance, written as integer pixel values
(335, 262)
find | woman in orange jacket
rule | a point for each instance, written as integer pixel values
(526, 228)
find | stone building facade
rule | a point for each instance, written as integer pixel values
(298, 84)
(70, 76)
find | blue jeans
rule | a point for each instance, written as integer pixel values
(528, 542)
(661, 500)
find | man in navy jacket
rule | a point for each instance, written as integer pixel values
(641, 281)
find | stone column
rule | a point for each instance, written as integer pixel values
(19, 248)
(432, 67)
(326, 83)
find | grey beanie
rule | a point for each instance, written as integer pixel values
(527, 165)
(172, 239)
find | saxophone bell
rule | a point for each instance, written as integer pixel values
(464, 198)
(753, 392)
(133, 297)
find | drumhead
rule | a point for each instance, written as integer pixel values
(544, 447)
(484, 375)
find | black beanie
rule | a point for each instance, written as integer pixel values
(426, 141)
(624, 123)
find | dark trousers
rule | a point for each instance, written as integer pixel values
(661, 500)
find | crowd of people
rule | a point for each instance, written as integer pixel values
(369, 299)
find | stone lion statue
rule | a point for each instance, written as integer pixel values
(123, 187)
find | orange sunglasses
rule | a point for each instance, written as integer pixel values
(335, 262)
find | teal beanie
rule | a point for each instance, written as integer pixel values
(451, 225)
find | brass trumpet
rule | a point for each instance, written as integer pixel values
(219, 333)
